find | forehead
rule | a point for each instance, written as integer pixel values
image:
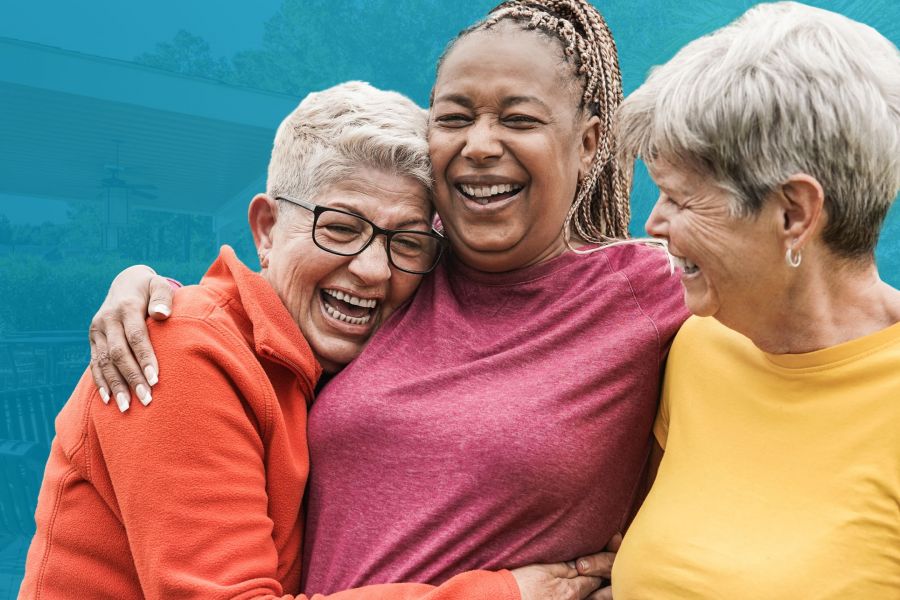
(674, 176)
(508, 60)
(383, 197)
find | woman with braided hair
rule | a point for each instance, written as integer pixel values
(503, 416)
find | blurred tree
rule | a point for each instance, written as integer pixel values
(312, 44)
(187, 54)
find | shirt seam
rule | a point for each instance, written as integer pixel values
(56, 510)
(816, 369)
(643, 312)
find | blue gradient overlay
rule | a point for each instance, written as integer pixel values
(138, 132)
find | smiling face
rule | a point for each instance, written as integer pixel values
(731, 266)
(339, 301)
(507, 144)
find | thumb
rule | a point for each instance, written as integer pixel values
(160, 305)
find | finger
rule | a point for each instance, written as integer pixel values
(614, 543)
(564, 570)
(597, 565)
(98, 345)
(123, 370)
(582, 586)
(160, 305)
(116, 385)
(141, 351)
(604, 593)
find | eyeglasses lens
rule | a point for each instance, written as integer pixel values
(346, 234)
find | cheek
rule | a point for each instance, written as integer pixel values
(403, 286)
(440, 147)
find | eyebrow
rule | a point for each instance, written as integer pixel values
(405, 224)
(507, 101)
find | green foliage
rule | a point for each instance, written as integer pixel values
(312, 44)
(56, 275)
(187, 54)
(42, 294)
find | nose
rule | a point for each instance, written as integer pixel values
(657, 224)
(371, 265)
(482, 143)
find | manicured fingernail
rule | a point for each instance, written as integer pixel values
(150, 374)
(104, 395)
(143, 394)
(162, 309)
(123, 400)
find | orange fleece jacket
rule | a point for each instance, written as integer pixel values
(199, 494)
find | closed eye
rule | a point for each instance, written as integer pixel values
(453, 120)
(521, 121)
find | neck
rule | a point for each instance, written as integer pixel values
(512, 260)
(826, 305)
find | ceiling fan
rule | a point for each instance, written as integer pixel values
(115, 181)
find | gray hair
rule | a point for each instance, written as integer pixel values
(785, 89)
(335, 132)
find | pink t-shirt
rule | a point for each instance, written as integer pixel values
(495, 421)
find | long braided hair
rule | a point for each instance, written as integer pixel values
(601, 210)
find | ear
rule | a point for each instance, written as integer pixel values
(589, 134)
(802, 206)
(263, 214)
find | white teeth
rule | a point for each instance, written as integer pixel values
(349, 299)
(487, 190)
(364, 302)
(347, 319)
(686, 265)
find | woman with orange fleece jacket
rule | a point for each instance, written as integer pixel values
(161, 503)
(210, 508)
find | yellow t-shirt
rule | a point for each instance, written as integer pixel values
(781, 477)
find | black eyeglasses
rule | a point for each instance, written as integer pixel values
(346, 234)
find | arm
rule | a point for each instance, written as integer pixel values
(121, 354)
(196, 511)
(557, 581)
(656, 456)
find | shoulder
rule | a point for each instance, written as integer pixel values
(205, 360)
(655, 286)
(704, 338)
(201, 329)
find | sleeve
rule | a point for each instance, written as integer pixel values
(661, 423)
(188, 481)
(680, 356)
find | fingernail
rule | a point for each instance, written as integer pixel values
(104, 395)
(162, 309)
(150, 374)
(583, 565)
(143, 394)
(123, 400)
(570, 564)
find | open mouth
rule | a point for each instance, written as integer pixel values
(487, 194)
(349, 308)
(687, 267)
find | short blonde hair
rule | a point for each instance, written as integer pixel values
(335, 132)
(786, 88)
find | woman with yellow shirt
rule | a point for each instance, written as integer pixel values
(775, 143)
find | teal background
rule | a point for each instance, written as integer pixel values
(137, 132)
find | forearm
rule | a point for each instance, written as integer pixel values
(471, 585)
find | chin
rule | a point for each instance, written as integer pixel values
(700, 306)
(334, 358)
